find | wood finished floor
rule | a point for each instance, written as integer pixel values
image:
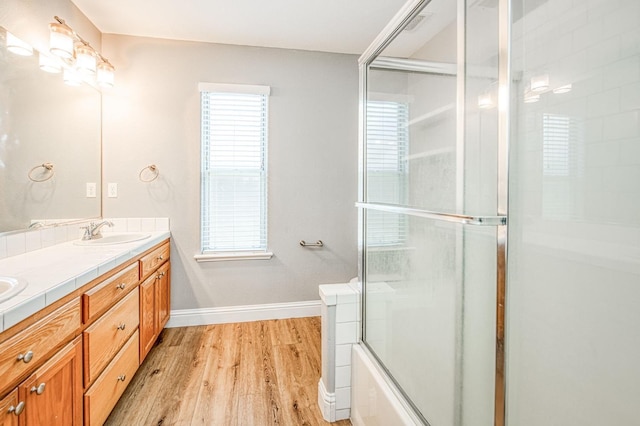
(254, 374)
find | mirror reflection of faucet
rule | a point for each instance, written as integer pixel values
(92, 231)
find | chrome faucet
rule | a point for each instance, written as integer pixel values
(92, 231)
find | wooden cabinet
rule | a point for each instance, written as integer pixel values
(152, 260)
(53, 394)
(70, 363)
(100, 399)
(10, 410)
(104, 338)
(155, 294)
(104, 295)
(20, 354)
(148, 319)
(163, 295)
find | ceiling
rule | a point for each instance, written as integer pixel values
(343, 26)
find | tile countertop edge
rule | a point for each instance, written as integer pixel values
(22, 306)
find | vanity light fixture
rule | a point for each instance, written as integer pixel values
(49, 64)
(76, 51)
(104, 76)
(17, 46)
(563, 89)
(61, 39)
(485, 101)
(531, 97)
(85, 59)
(540, 83)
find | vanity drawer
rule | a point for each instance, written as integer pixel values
(154, 259)
(100, 399)
(23, 352)
(104, 338)
(109, 292)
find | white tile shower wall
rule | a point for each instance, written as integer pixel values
(30, 240)
(574, 217)
(340, 303)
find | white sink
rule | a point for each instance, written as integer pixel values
(10, 286)
(113, 239)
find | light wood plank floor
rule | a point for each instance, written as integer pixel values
(255, 373)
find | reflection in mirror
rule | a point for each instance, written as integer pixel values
(50, 163)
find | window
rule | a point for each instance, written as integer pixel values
(563, 164)
(234, 169)
(387, 149)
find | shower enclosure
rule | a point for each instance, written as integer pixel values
(433, 208)
(452, 92)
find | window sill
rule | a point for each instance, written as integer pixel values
(218, 257)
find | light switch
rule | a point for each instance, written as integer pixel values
(91, 190)
(112, 190)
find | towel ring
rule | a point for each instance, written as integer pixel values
(153, 169)
(48, 172)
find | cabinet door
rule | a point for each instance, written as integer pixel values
(9, 409)
(148, 317)
(53, 394)
(163, 288)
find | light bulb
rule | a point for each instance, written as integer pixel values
(85, 59)
(49, 64)
(105, 74)
(562, 89)
(540, 83)
(17, 46)
(61, 40)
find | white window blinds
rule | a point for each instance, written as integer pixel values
(387, 150)
(234, 167)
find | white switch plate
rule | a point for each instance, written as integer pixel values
(91, 190)
(112, 190)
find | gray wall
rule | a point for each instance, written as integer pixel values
(152, 116)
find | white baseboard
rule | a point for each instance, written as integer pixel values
(206, 316)
(326, 402)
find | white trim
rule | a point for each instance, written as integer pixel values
(230, 314)
(234, 88)
(218, 257)
(326, 403)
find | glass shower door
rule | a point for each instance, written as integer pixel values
(432, 231)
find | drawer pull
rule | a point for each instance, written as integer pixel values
(38, 390)
(26, 357)
(122, 326)
(160, 257)
(121, 286)
(122, 377)
(18, 409)
(160, 275)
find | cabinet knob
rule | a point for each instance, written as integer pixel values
(26, 357)
(121, 286)
(122, 326)
(160, 257)
(38, 390)
(18, 409)
(160, 275)
(122, 377)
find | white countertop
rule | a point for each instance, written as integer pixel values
(56, 271)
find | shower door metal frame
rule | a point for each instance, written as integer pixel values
(386, 36)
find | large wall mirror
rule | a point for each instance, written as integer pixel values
(50, 145)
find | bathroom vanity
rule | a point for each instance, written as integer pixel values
(69, 362)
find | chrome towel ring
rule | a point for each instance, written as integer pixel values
(154, 171)
(48, 172)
